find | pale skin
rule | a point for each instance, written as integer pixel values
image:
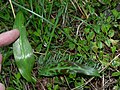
(7, 38)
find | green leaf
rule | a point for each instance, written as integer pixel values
(109, 19)
(97, 29)
(91, 10)
(22, 49)
(67, 30)
(107, 42)
(105, 28)
(99, 44)
(113, 49)
(111, 33)
(116, 74)
(114, 42)
(115, 13)
(79, 48)
(90, 36)
(87, 30)
(94, 47)
(65, 69)
(10, 88)
(17, 76)
(88, 71)
(71, 45)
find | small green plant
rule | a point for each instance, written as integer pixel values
(74, 42)
(22, 49)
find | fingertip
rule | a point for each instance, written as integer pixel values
(2, 87)
(9, 37)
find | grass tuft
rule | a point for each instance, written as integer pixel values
(75, 42)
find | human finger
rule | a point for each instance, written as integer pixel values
(8, 37)
(2, 87)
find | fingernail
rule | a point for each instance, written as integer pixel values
(2, 87)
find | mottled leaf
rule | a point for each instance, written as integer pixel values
(22, 50)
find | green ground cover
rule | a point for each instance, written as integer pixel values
(75, 44)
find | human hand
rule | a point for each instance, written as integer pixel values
(7, 38)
